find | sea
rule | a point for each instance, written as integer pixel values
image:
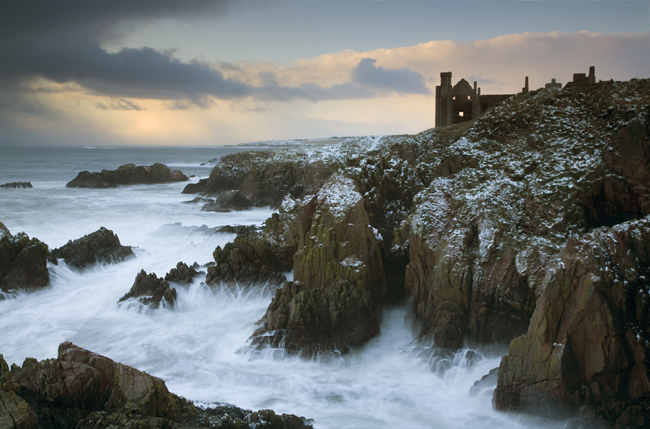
(200, 347)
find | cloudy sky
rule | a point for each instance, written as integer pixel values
(195, 72)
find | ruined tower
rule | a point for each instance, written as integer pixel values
(461, 103)
(443, 100)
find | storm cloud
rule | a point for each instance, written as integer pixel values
(61, 41)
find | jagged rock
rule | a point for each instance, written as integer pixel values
(127, 174)
(151, 290)
(588, 342)
(101, 246)
(23, 262)
(249, 259)
(182, 274)
(86, 390)
(335, 302)
(17, 185)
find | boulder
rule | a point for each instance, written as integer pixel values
(17, 185)
(102, 246)
(23, 262)
(127, 174)
(86, 390)
(588, 343)
(151, 290)
(336, 299)
(182, 274)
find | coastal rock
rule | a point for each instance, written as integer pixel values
(17, 185)
(23, 262)
(588, 343)
(127, 174)
(182, 274)
(102, 246)
(335, 301)
(151, 290)
(228, 201)
(249, 259)
(499, 205)
(84, 389)
(261, 178)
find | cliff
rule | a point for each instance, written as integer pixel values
(469, 221)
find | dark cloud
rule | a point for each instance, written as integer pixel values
(119, 104)
(61, 41)
(405, 81)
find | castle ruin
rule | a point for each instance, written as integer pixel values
(463, 103)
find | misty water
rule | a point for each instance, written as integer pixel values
(200, 346)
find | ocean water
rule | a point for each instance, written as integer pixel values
(200, 347)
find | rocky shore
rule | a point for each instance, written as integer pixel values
(529, 226)
(82, 389)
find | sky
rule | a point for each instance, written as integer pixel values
(196, 72)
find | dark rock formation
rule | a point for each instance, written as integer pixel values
(85, 390)
(228, 201)
(262, 178)
(588, 342)
(17, 185)
(151, 290)
(127, 174)
(249, 259)
(23, 262)
(102, 246)
(335, 301)
(182, 274)
(499, 204)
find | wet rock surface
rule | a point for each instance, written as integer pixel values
(101, 246)
(127, 174)
(23, 262)
(86, 390)
(151, 290)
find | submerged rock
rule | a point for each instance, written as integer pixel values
(588, 343)
(17, 185)
(86, 390)
(102, 246)
(151, 290)
(23, 262)
(127, 174)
